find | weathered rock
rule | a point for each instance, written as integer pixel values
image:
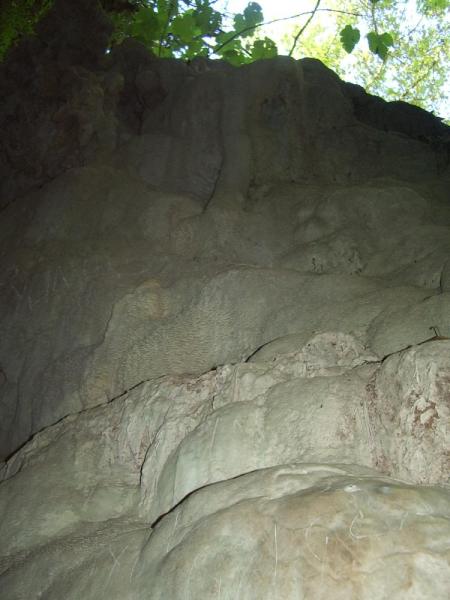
(301, 531)
(396, 329)
(276, 180)
(143, 453)
(57, 111)
(218, 292)
(445, 277)
(293, 530)
(412, 393)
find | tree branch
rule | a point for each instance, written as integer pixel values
(419, 79)
(302, 14)
(302, 29)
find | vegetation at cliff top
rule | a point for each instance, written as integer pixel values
(374, 43)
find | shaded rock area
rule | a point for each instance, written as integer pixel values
(225, 329)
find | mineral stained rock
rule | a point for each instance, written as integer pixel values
(224, 329)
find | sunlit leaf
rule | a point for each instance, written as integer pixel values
(265, 48)
(432, 6)
(379, 43)
(166, 7)
(184, 26)
(349, 37)
(246, 22)
(145, 26)
(207, 19)
(253, 13)
(225, 36)
(195, 48)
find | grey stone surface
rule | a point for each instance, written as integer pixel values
(411, 391)
(301, 531)
(224, 323)
(111, 472)
(445, 277)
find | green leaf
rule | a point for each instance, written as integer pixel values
(349, 37)
(253, 13)
(184, 26)
(207, 19)
(245, 22)
(166, 7)
(223, 36)
(379, 43)
(195, 48)
(235, 57)
(145, 26)
(239, 22)
(429, 7)
(231, 49)
(265, 48)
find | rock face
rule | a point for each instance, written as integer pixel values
(225, 323)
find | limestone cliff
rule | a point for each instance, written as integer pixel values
(224, 335)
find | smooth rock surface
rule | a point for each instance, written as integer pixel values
(302, 531)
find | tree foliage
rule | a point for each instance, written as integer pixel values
(18, 18)
(189, 28)
(368, 41)
(408, 59)
(184, 28)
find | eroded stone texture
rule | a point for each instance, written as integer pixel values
(224, 353)
(141, 455)
(294, 531)
(144, 302)
(56, 110)
(413, 392)
(210, 201)
(299, 532)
